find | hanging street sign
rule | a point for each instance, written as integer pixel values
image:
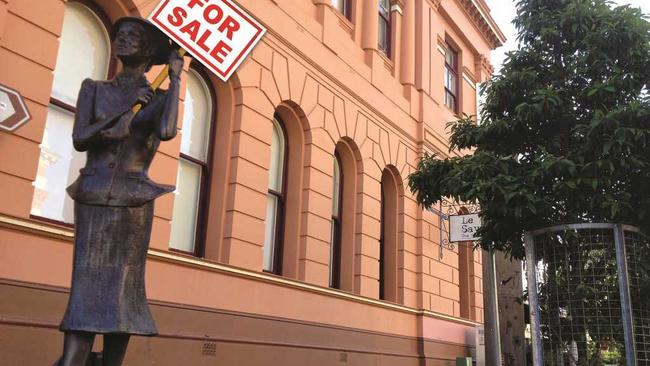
(218, 33)
(13, 111)
(464, 227)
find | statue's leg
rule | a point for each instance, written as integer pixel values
(114, 349)
(76, 348)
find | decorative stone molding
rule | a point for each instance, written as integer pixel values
(398, 6)
(435, 4)
(469, 77)
(442, 46)
(483, 64)
(483, 21)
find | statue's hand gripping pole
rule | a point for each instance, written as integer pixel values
(162, 76)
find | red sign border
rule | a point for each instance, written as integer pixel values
(223, 74)
(17, 97)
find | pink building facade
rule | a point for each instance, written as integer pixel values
(292, 238)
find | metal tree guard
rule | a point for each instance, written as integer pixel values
(586, 304)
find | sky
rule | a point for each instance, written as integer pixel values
(503, 11)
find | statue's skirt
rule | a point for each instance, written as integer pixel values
(110, 250)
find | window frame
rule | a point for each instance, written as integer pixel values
(454, 70)
(112, 63)
(347, 9)
(336, 240)
(206, 170)
(111, 70)
(385, 19)
(278, 232)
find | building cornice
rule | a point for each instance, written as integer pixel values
(479, 13)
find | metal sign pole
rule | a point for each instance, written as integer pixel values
(533, 301)
(624, 289)
(492, 327)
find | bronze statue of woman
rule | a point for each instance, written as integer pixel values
(114, 197)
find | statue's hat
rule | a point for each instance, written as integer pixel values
(161, 42)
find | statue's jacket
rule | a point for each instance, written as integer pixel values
(115, 173)
(114, 206)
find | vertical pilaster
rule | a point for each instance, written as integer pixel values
(3, 16)
(397, 24)
(370, 25)
(407, 46)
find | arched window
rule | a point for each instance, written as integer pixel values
(275, 200)
(193, 166)
(84, 52)
(388, 237)
(335, 241)
(347, 166)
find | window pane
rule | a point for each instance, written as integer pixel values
(383, 35)
(58, 161)
(336, 188)
(277, 158)
(84, 52)
(450, 101)
(197, 116)
(449, 57)
(452, 83)
(384, 7)
(447, 77)
(186, 206)
(339, 5)
(270, 231)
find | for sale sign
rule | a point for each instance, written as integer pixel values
(218, 33)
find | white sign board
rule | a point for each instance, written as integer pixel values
(480, 345)
(464, 227)
(218, 33)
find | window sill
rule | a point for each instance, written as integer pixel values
(388, 63)
(287, 282)
(456, 115)
(57, 223)
(183, 253)
(345, 23)
(67, 234)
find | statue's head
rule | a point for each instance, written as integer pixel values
(135, 40)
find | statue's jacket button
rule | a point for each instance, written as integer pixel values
(111, 165)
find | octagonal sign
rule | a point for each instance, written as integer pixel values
(13, 111)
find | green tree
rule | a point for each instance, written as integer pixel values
(565, 132)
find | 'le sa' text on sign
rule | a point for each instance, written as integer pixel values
(464, 227)
(218, 33)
